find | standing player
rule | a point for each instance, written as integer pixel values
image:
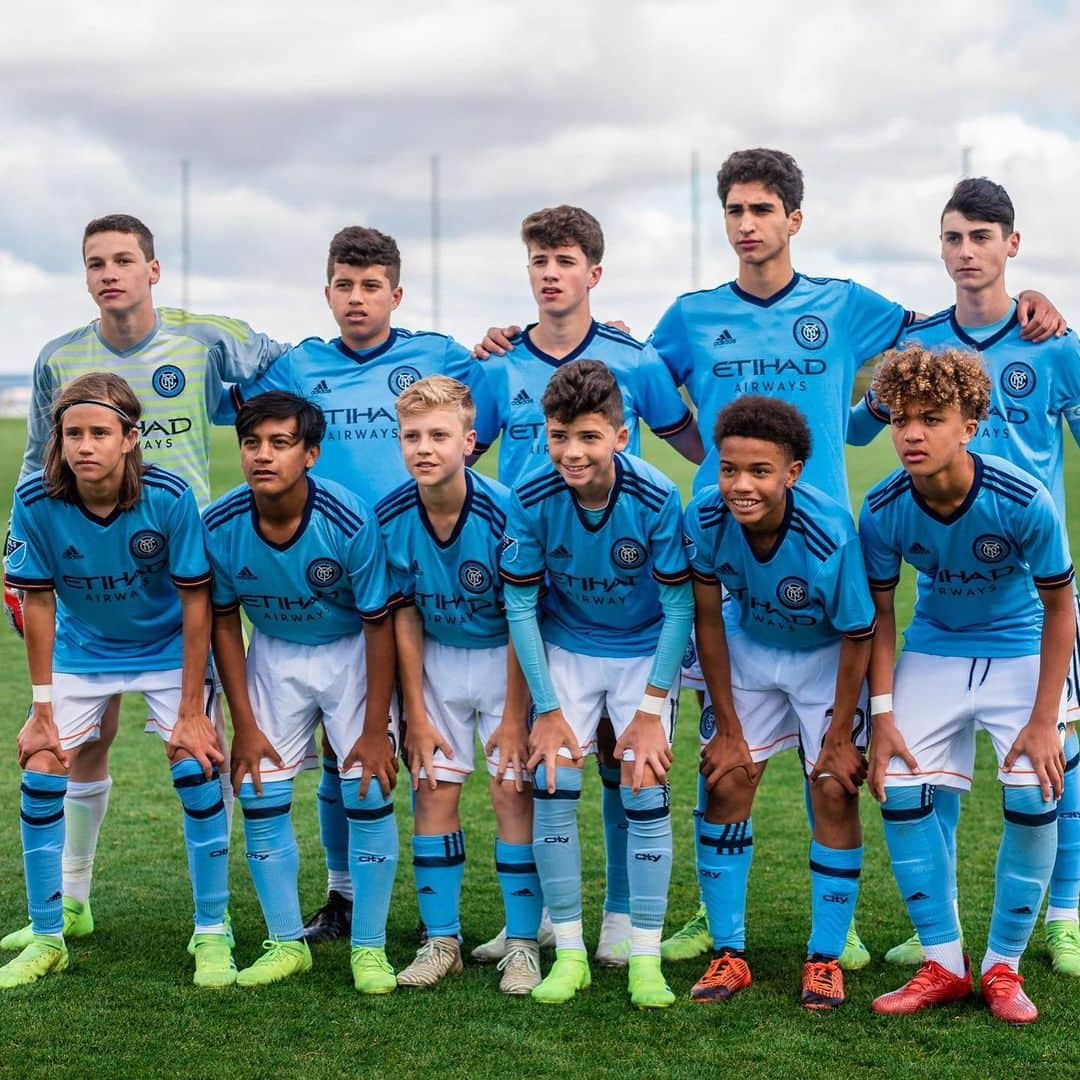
(565, 246)
(603, 530)
(304, 559)
(116, 581)
(788, 670)
(1034, 392)
(356, 379)
(176, 363)
(458, 679)
(984, 536)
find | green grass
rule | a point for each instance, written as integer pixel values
(126, 1007)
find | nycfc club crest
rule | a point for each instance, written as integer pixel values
(627, 554)
(990, 548)
(147, 544)
(474, 577)
(810, 332)
(168, 381)
(401, 378)
(1018, 379)
(792, 592)
(323, 573)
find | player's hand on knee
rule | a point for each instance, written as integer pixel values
(375, 754)
(1040, 742)
(13, 608)
(496, 342)
(195, 736)
(645, 738)
(249, 748)
(887, 743)
(509, 744)
(723, 754)
(40, 735)
(550, 734)
(422, 742)
(844, 762)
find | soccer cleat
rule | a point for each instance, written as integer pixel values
(647, 985)
(568, 975)
(520, 967)
(613, 948)
(855, 955)
(726, 975)
(78, 922)
(931, 985)
(437, 958)
(1063, 941)
(691, 941)
(43, 955)
(822, 985)
(1002, 990)
(331, 922)
(214, 966)
(371, 971)
(282, 960)
(907, 954)
(229, 939)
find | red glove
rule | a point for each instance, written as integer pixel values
(13, 608)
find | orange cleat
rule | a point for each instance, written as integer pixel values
(822, 985)
(932, 985)
(727, 974)
(1001, 990)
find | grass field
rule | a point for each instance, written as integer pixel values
(127, 1008)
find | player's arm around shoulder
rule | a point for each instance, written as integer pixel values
(236, 351)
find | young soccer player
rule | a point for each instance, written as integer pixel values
(304, 560)
(458, 679)
(992, 632)
(787, 670)
(116, 581)
(176, 364)
(1034, 393)
(356, 379)
(565, 247)
(603, 530)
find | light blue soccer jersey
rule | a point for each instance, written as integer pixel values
(115, 578)
(357, 392)
(809, 590)
(454, 585)
(320, 586)
(803, 345)
(1034, 392)
(978, 569)
(518, 381)
(602, 596)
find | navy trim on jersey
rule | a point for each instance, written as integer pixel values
(336, 512)
(1009, 486)
(524, 580)
(1057, 581)
(674, 429)
(370, 354)
(892, 491)
(877, 410)
(226, 609)
(102, 522)
(570, 356)
(158, 477)
(864, 634)
(818, 542)
(547, 484)
(993, 339)
(776, 297)
(965, 506)
(305, 518)
(29, 582)
(883, 584)
(191, 583)
(394, 504)
(905, 323)
(233, 506)
(705, 579)
(462, 518)
(613, 496)
(680, 577)
(619, 336)
(712, 516)
(933, 320)
(774, 547)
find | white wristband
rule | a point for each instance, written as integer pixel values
(42, 692)
(653, 706)
(880, 703)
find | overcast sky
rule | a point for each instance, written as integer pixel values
(328, 113)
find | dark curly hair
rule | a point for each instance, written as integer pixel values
(757, 417)
(580, 387)
(357, 246)
(773, 168)
(949, 378)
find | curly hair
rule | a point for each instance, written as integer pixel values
(561, 226)
(580, 387)
(357, 246)
(948, 378)
(755, 416)
(778, 171)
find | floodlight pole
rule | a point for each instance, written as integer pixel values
(695, 222)
(185, 233)
(436, 314)
(965, 161)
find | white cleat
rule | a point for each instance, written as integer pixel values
(613, 949)
(520, 967)
(495, 949)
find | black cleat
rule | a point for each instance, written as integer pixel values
(331, 922)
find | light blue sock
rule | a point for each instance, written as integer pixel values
(555, 842)
(648, 854)
(724, 854)
(1065, 880)
(834, 890)
(616, 882)
(920, 862)
(206, 837)
(947, 809)
(1024, 863)
(515, 867)
(41, 823)
(373, 859)
(439, 866)
(273, 857)
(333, 824)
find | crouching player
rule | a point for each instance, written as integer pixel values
(789, 670)
(110, 553)
(988, 546)
(305, 561)
(442, 531)
(604, 530)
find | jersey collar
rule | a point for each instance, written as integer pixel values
(980, 346)
(300, 529)
(134, 348)
(962, 509)
(103, 522)
(781, 533)
(368, 354)
(466, 506)
(613, 496)
(553, 361)
(768, 301)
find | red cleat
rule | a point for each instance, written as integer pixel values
(726, 975)
(932, 985)
(1001, 990)
(822, 985)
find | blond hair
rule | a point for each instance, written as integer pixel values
(437, 392)
(949, 378)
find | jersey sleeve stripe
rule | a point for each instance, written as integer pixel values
(379, 615)
(347, 514)
(333, 514)
(191, 582)
(674, 429)
(521, 579)
(864, 634)
(1005, 480)
(811, 530)
(618, 336)
(226, 609)
(1056, 581)
(705, 579)
(679, 577)
(877, 410)
(28, 583)
(538, 497)
(217, 520)
(646, 485)
(876, 500)
(30, 487)
(34, 497)
(883, 584)
(991, 484)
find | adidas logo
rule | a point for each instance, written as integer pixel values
(321, 387)
(917, 549)
(521, 398)
(523, 892)
(427, 890)
(561, 552)
(725, 337)
(73, 552)
(1025, 910)
(727, 568)
(916, 896)
(56, 896)
(244, 574)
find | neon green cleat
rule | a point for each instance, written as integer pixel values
(78, 922)
(1063, 941)
(648, 988)
(855, 955)
(691, 941)
(282, 960)
(228, 935)
(907, 954)
(371, 971)
(43, 955)
(214, 966)
(568, 975)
